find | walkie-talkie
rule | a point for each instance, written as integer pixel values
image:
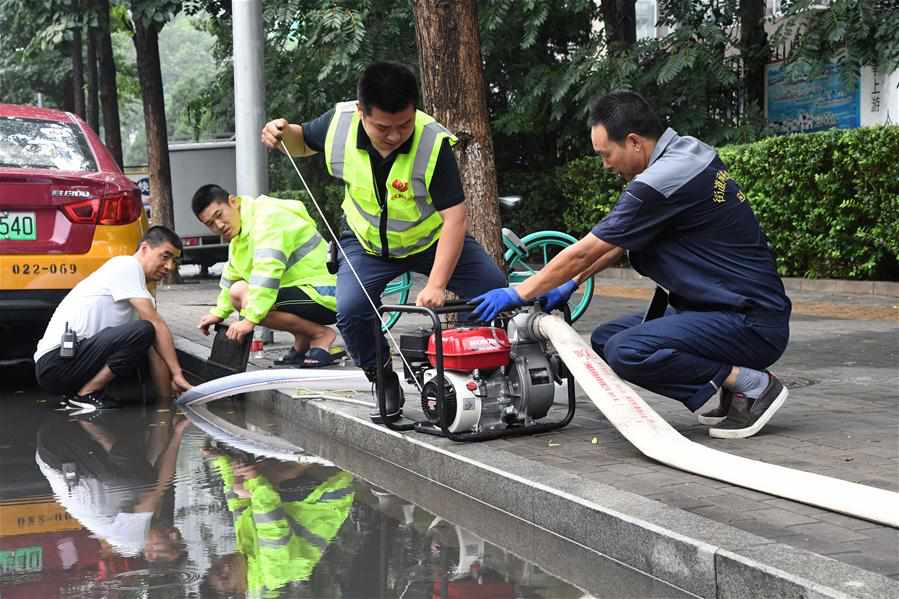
(69, 343)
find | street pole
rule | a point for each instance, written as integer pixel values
(251, 166)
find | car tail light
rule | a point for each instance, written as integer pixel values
(121, 208)
(82, 212)
(116, 209)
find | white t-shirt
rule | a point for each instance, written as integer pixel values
(100, 507)
(98, 302)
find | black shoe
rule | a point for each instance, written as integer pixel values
(747, 416)
(63, 405)
(393, 397)
(292, 359)
(718, 414)
(92, 402)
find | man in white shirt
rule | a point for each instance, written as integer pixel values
(117, 327)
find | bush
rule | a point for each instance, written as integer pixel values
(828, 202)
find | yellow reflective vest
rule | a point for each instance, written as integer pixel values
(278, 246)
(282, 541)
(413, 225)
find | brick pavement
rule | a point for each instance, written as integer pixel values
(841, 420)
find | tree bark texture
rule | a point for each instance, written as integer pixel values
(620, 22)
(78, 72)
(452, 79)
(754, 50)
(109, 95)
(92, 92)
(146, 43)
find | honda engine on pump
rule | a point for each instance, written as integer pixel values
(493, 381)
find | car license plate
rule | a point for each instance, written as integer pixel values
(18, 226)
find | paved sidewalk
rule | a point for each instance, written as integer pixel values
(841, 420)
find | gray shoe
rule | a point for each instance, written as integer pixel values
(719, 413)
(747, 416)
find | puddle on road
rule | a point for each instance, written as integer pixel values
(140, 503)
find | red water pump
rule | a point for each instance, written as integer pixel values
(496, 380)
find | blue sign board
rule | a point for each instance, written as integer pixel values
(808, 105)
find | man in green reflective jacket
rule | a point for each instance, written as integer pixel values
(276, 275)
(285, 517)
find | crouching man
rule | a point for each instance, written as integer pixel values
(276, 275)
(116, 329)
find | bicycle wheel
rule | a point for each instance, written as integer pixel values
(539, 248)
(396, 292)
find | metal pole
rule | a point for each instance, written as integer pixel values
(251, 166)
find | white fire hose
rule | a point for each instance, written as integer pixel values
(657, 439)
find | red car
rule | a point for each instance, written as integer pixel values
(65, 209)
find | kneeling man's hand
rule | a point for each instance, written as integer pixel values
(180, 384)
(493, 302)
(239, 329)
(207, 321)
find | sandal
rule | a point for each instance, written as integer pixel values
(317, 357)
(292, 358)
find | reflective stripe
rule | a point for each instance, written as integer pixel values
(307, 535)
(393, 225)
(275, 514)
(268, 282)
(226, 283)
(344, 118)
(329, 291)
(300, 253)
(275, 542)
(336, 494)
(270, 253)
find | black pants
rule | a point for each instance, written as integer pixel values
(123, 348)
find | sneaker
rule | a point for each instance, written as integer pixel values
(393, 397)
(63, 405)
(85, 404)
(292, 359)
(717, 414)
(747, 416)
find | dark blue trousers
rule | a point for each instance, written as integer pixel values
(687, 355)
(475, 273)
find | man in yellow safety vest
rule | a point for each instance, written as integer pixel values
(403, 205)
(276, 275)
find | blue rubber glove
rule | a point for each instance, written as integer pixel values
(493, 302)
(558, 297)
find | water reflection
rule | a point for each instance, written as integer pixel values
(138, 503)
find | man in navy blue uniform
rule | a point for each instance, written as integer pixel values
(685, 224)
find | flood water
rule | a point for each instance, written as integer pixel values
(139, 503)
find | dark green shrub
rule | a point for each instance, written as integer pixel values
(829, 201)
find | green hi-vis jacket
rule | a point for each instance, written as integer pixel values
(278, 246)
(413, 225)
(284, 541)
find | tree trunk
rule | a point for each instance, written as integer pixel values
(754, 50)
(146, 43)
(109, 95)
(620, 21)
(78, 72)
(452, 79)
(92, 100)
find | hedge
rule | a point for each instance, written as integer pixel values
(829, 201)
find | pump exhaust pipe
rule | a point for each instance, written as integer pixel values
(657, 439)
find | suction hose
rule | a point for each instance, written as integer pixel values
(657, 439)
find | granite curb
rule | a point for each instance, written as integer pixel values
(702, 556)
